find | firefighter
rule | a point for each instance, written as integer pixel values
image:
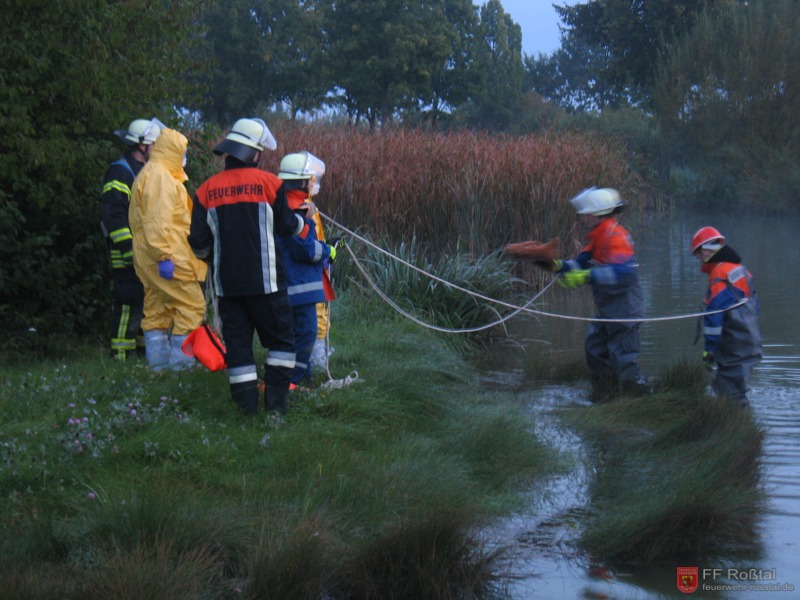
(128, 292)
(236, 217)
(160, 215)
(732, 339)
(608, 264)
(304, 256)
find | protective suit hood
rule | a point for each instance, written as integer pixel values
(168, 150)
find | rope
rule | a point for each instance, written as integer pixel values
(408, 315)
(516, 308)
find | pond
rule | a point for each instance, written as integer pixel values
(547, 563)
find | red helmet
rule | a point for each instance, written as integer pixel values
(705, 235)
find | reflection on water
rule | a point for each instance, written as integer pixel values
(673, 285)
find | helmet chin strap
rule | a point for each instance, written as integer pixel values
(141, 152)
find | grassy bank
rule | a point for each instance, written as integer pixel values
(676, 473)
(118, 483)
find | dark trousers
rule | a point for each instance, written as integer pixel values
(269, 316)
(126, 313)
(612, 351)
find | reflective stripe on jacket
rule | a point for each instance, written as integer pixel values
(614, 271)
(235, 221)
(303, 255)
(733, 335)
(117, 184)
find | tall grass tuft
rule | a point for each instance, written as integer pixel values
(436, 558)
(169, 511)
(431, 300)
(298, 566)
(155, 572)
(678, 476)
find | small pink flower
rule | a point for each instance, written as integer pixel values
(91, 496)
(164, 398)
(133, 412)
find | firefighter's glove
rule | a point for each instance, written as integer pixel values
(553, 265)
(166, 268)
(309, 208)
(335, 241)
(708, 360)
(574, 278)
(332, 254)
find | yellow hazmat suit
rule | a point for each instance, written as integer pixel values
(160, 215)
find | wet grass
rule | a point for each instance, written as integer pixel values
(118, 483)
(676, 473)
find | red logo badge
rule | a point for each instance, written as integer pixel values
(687, 579)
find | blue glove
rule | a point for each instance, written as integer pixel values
(166, 268)
(708, 360)
(574, 278)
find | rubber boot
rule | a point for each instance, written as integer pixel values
(157, 349)
(245, 395)
(636, 387)
(604, 388)
(178, 360)
(318, 358)
(276, 398)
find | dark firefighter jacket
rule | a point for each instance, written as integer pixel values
(114, 210)
(236, 216)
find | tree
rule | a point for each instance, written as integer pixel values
(72, 73)
(454, 81)
(734, 112)
(569, 78)
(498, 67)
(385, 52)
(265, 52)
(622, 40)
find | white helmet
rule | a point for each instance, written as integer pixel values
(597, 202)
(301, 165)
(141, 131)
(245, 139)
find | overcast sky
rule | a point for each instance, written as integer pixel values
(539, 23)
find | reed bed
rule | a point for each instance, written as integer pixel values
(466, 191)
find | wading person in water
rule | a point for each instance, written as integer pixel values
(608, 264)
(732, 339)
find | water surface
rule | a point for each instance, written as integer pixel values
(547, 562)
